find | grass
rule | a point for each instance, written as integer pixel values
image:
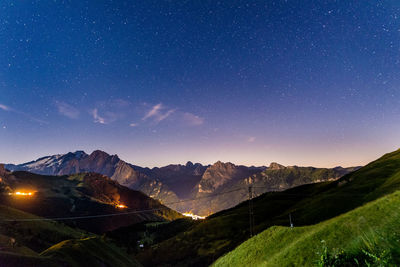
(357, 236)
(310, 204)
(62, 245)
(148, 233)
(89, 252)
(35, 235)
(81, 195)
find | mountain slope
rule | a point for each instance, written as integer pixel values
(274, 178)
(180, 178)
(303, 246)
(307, 204)
(134, 177)
(89, 252)
(82, 195)
(22, 243)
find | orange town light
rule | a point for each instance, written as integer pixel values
(22, 193)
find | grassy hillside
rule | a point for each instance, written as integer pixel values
(148, 233)
(89, 252)
(22, 243)
(35, 235)
(82, 195)
(349, 238)
(309, 204)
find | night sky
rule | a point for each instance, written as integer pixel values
(157, 82)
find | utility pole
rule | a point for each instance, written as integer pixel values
(251, 214)
(290, 220)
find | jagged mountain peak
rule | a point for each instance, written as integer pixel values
(220, 164)
(80, 153)
(101, 154)
(189, 164)
(276, 166)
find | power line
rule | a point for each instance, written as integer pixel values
(82, 217)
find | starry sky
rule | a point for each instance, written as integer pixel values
(158, 82)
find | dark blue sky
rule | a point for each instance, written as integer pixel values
(157, 82)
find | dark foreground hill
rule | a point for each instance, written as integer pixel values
(28, 240)
(310, 204)
(83, 195)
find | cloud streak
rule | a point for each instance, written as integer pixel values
(67, 110)
(97, 118)
(158, 113)
(192, 119)
(26, 115)
(4, 107)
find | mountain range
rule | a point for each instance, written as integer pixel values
(192, 187)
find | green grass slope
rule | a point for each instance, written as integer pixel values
(82, 195)
(309, 204)
(35, 235)
(303, 246)
(10, 259)
(22, 243)
(89, 252)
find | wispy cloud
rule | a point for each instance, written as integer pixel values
(67, 110)
(158, 113)
(107, 112)
(133, 124)
(165, 115)
(97, 118)
(154, 111)
(26, 115)
(4, 107)
(192, 119)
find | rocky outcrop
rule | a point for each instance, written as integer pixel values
(276, 166)
(220, 174)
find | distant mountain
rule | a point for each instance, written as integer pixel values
(87, 194)
(177, 185)
(180, 178)
(220, 174)
(235, 180)
(126, 174)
